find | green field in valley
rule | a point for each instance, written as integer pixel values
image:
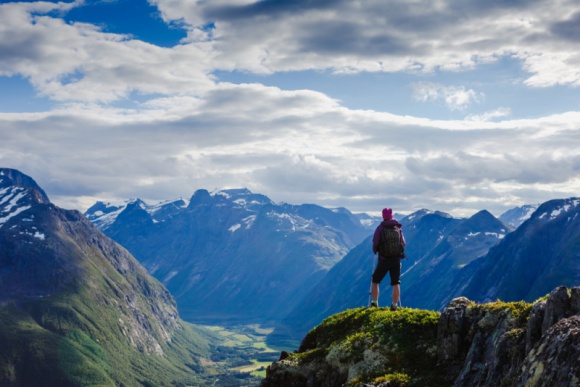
(242, 356)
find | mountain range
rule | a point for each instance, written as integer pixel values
(438, 245)
(317, 267)
(544, 252)
(233, 256)
(77, 309)
(479, 257)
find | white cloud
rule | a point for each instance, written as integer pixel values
(295, 146)
(80, 62)
(491, 115)
(379, 36)
(455, 98)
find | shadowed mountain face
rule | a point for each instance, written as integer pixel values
(542, 253)
(233, 256)
(78, 309)
(438, 246)
(431, 282)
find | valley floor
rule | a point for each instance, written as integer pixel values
(241, 357)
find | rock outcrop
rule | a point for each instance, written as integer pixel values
(513, 344)
(469, 344)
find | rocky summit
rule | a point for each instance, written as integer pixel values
(468, 344)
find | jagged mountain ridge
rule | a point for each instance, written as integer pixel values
(103, 214)
(232, 255)
(430, 282)
(78, 309)
(431, 237)
(542, 253)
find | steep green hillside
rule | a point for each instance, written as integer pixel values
(71, 345)
(76, 309)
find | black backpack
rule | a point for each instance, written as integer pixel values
(390, 245)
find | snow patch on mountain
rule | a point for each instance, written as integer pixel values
(495, 234)
(571, 203)
(488, 233)
(419, 213)
(13, 201)
(32, 233)
(221, 193)
(104, 219)
(367, 222)
(155, 208)
(295, 222)
(249, 221)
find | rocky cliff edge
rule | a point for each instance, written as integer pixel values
(469, 344)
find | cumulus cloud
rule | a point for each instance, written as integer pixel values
(295, 146)
(455, 98)
(418, 36)
(80, 62)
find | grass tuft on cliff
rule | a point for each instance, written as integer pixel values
(379, 343)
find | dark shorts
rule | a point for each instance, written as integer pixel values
(390, 265)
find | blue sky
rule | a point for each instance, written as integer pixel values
(449, 105)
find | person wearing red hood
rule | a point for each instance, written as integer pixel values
(387, 263)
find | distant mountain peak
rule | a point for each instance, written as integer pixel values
(105, 214)
(14, 178)
(241, 196)
(518, 215)
(483, 224)
(18, 193)
(415, 216)
(484, 217)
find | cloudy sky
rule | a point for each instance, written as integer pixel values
(450, 105)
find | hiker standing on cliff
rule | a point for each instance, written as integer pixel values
(390, 243)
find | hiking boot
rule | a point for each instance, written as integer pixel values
(374, 304)
(393, 307)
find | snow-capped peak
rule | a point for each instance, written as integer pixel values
(517, 216)
(105, 214)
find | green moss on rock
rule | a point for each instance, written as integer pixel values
(368, 343)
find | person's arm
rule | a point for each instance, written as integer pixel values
(376, 240)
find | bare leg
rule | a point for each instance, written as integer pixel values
(396, 293)
(375, 291)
